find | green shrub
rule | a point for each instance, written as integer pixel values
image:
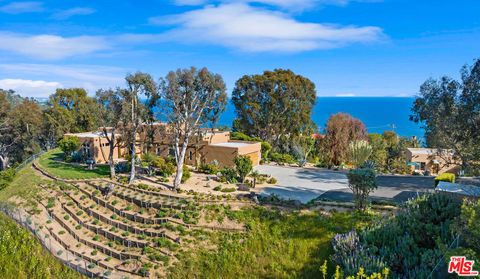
(69, 144)
(217, 188)
(362, 182)
(186, 174)
(244, 166)
(266, 148)
(447, 177)
(165, 168)
(123, 180)
(229, 175)
(272, 180)
(282, 158)
(211, 168)
(228, 190)
(6, 177)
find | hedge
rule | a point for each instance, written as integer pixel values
(447, 177)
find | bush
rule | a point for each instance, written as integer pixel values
(362, 182)
(211, 168)
(122, 167)
(229, 175)
(282, 158)
(272, 180)
(266, 148)
(447, 177)
(68, 145)
(186, 174)
(242, 136)
(217, 188)
(244, 166)
(228, 190)
(409, 243)
(6, 177)
(165, 168)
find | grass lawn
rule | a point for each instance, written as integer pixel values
(51, 162)
(23, 185)
(277, 245)
(22, 256)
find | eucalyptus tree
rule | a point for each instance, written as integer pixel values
(139, 98)
(275, 106)
(110, 117)
(5, 137)
(449, 110)
(20, 128)
(70, 110)
(192, 99)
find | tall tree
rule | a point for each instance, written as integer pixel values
(275, 106)
(111, 109)
(26, 125)
(193, 98)
(342, 129)
(139, 86)
(5, 137)
(450, 113)
(70, 111)
(20, 128)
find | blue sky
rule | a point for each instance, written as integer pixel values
(347, 47)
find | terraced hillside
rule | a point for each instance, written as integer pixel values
(135, 231)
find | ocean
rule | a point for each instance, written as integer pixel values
(378, 113)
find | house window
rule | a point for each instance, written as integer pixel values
(190, 155)
(171, 152)
(422, 166)
(159, 151)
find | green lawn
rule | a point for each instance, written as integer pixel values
(277, 245)
(23, 185)
(22, 256)
(53, 164)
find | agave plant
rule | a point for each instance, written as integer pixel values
(359, 152)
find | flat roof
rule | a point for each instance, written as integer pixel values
(232, 144)
(461, 189)
(430, 151)
(89, 134)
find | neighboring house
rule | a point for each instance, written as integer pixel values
(206, 147)
(432, 161)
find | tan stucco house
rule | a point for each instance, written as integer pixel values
(206, 147)
(433, 161)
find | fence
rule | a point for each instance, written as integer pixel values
(58, 250)
(29, 160)
(439, 271)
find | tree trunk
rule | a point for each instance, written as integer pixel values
(110, 158)
(181, 159)
(132, 162)
(3, 162)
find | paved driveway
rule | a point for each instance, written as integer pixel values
(305, 184)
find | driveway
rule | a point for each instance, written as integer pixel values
(305, 184)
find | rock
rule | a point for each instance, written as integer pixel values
(243, 187)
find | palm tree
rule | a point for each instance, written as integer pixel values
(255, 175)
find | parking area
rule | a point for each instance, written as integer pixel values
(305, 184)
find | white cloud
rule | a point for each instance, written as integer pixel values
(90, 77)
(22, 7)
(284, 4)
(345, 95)
(51, 47)
(65, 14)
(30, 88)
(253, 29)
